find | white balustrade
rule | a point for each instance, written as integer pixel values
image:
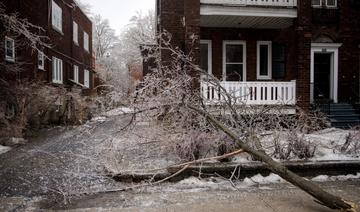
(272, 3)
(250, 93)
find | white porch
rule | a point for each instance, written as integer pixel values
(251, 93)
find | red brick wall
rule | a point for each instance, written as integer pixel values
(38, 12)
(341, 24)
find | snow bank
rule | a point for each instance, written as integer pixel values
(259, 179)
(4, 149)
(325, 178)
(119, 111)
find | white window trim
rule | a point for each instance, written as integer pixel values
(76, 73)
(12, 58)
(319, 5)
(333, 49)
(75, 33)
(86, 81)
(209, 43)
(42, 56)
(59, 69)
(269, 75)
(331, 6)
(86, 42)
(54, 9)
(234, 42)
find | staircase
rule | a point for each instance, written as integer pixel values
(342, 115)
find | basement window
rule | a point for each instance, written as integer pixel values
(9, 49)
(324, 3)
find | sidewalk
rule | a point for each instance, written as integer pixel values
(274, 198)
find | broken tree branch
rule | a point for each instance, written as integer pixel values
(308, 186)
(211, 158)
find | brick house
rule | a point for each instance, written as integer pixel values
(296, 52)
(70, 60)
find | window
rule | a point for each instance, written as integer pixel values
(76, 74)
(234, 61)
(41, 60)
(327, 3)
(264, 62)
(278, 60)
(56, 16)
(57, 70)
(86, 41)
(331, 3)
(316, 3)
(86, 78)
(75, 33)
(206, 56)
(9, 49)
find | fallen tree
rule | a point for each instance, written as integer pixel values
(186, 109)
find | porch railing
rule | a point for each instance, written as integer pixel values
(251, 93)
(272, 3)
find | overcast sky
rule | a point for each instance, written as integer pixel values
(119, 11)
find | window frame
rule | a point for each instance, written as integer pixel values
(234, 42)
(209, 45)
(75, 33)
(269, 68)
(41, 57)
(56, 22)
(7, 57)
(76, 74)
(319, 5)
(331, 6)
(86, 78)
(86, 42)
(57, 70)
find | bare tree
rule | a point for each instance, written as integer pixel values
(104, 38)
(140, 30)
(168, 97)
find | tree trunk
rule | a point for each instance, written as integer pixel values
(308, 186)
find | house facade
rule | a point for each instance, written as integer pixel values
(69, 61)
(270, 52)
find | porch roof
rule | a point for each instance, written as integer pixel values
(246, 17)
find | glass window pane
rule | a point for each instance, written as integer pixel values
(234, 72)
(234, 53)
(278, 52)
(331, 3)
(264, 60)
(316, 2)
(204, 59)
(278, 70)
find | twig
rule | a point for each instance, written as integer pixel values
(212, 158)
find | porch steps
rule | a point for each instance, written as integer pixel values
(343, 115)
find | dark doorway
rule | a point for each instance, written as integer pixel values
(322, 76)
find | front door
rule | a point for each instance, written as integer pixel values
(322, 76)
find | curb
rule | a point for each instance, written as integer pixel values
(243, 170)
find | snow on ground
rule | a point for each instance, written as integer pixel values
(119, 111)
(326, 178)
(257, 181)
(327, 142)
(4, 149)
